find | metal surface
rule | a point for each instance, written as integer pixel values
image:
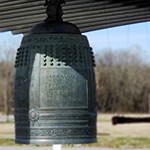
(55, 87)
(20, 15)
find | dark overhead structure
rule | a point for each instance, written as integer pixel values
(20, 15)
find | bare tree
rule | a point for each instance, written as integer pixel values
(122, 82)
(7, 80)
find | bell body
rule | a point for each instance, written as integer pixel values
(55, 90)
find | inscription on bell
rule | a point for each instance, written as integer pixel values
(57, 81)
(60, 90)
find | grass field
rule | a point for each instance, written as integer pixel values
(119, 136)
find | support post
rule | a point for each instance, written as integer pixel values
(57, 147)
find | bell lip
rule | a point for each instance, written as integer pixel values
(55, 27)
(56, 141)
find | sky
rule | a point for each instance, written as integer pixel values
(135, 37)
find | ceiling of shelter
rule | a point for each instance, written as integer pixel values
(20, 15)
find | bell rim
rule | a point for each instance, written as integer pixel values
(56, 141)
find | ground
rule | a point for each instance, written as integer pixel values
(50, 148)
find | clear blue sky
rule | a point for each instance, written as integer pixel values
(135, 37)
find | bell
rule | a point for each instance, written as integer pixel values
(55, 99)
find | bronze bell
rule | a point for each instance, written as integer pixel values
(55, 99)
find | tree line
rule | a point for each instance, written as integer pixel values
(7, 76)
(123, 82)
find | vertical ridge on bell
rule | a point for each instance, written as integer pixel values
(55, 99)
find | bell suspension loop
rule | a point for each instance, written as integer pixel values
(54, 10)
